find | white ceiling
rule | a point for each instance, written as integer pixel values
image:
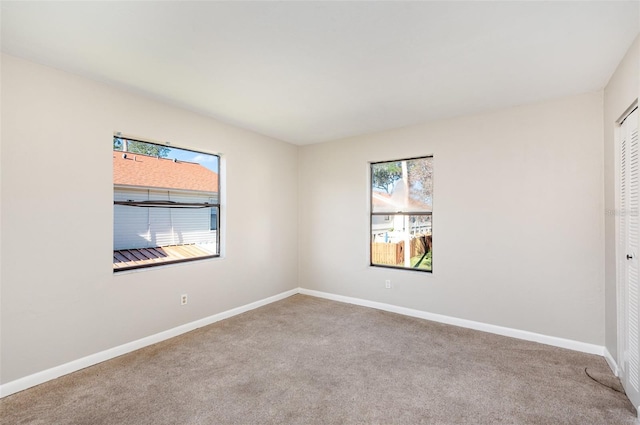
(308, 72)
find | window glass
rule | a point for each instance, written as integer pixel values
(401, 213)
(166, 204)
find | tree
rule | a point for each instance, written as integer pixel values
(143, 148)
(420, 173)
(384, 175)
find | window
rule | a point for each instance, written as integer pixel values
(401, 209)
(166, 204)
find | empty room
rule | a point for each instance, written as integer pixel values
(375, 212)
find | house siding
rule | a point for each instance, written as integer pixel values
(139, 227)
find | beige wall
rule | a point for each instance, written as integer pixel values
(621, 91)
(518, 218)
(60, 299)
(519, 222)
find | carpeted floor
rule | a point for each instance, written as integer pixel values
(306, 360)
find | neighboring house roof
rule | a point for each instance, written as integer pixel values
(150, 171)
(383, 202)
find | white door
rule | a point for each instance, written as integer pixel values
(628, 257)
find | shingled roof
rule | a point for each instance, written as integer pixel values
(139, 170)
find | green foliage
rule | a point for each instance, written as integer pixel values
(427, 261)
(424, 264)
(143, 148)
(420, 173)
(384, 175)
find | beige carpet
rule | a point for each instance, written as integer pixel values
(306, 360)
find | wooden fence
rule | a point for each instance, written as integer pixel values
(387, 253)
(393, 253)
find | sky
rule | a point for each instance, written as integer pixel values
(206, 160)
(212, 162)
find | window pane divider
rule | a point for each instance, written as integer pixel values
(165, 204)
(402, 213)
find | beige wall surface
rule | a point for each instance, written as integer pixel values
(60, 299)
(620, 93)
(517, 222)
(519, 218)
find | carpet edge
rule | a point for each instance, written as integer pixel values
(465, 323)
(43, 376)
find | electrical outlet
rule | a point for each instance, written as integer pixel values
(183, 299)
(387, 284)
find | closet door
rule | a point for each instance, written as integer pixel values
(628, 262)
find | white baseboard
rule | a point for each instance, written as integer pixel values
(494, 329)
(611, 362)
(75, 365)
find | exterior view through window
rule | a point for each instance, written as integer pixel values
(166, 204)
(401, 208)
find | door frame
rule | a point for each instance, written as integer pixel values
(620, 250)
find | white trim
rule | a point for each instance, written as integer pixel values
(464, 323)
(617, 246)
(75, 365)
(611, 362)
(627, 112)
